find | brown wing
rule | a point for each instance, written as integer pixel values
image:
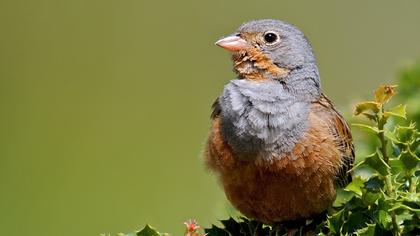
(218, 155)
(341, 131)
(216, 110)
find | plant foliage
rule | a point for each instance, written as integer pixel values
(386, 200)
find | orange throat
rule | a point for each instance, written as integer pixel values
(254, 65)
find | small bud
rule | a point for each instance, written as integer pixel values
(384, 93)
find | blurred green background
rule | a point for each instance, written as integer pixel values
(105, 104)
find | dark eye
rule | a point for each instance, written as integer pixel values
(271, 37)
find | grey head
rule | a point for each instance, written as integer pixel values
(267, 46)
(282, 42)
(266, 115)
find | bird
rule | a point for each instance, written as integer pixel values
(278, 146)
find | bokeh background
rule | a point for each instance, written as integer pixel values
(105, 104)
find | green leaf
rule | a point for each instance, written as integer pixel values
(374, 184)
(367, 106)
(371, 117)
(397, 166)
(369, 198)
(406, 134)
(356, 220)
(320, 227)
(335, 222)
(369, 230)
(403, 206)
(355, 204)
(148, 231)
(216, 231)
(233, 227)
(391, 136)
(367, 128)
(241, 227)
(342, 197)
(403, 216)
(376, 162)
(384, 218)
(356, 186)
(409, 160)
(363, 170)
(411, 197)
(398, 111)
(411, 223)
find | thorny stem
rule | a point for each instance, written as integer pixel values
(381, 136)
(390, 190)
(413, 184)
(395, 224)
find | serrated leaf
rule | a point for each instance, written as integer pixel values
(233, 227)
(369, 230)
(355, 204)
(397, 166)
(404, 206)
(367, 106)
(374, 184)
(256, 228)
(148, 231)
(342, 197)
(320, 227)
(384, 93)
(335, 222)
(243, 226)
(356, 220)
(369, 198)
(371, 117)
(382, 231)
(355, 186)
(395, 182)
(391, 136)
(376, 162)
(409, 160)
(406, 134)
(216, 231)
(363, 170)
(368, 128)
(403, 216)
(411, 197)
(384, 218)
(398, 111)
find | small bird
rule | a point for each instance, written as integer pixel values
(277, 144)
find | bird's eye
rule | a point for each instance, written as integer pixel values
(271, 37)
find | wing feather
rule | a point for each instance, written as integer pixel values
(341, 132)
(216, 109)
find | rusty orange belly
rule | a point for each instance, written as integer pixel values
(297, 186)
(275, 197)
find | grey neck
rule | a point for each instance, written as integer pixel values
(267, 118)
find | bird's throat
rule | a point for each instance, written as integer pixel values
(252, 64)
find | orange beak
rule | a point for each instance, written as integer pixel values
(232, 43)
